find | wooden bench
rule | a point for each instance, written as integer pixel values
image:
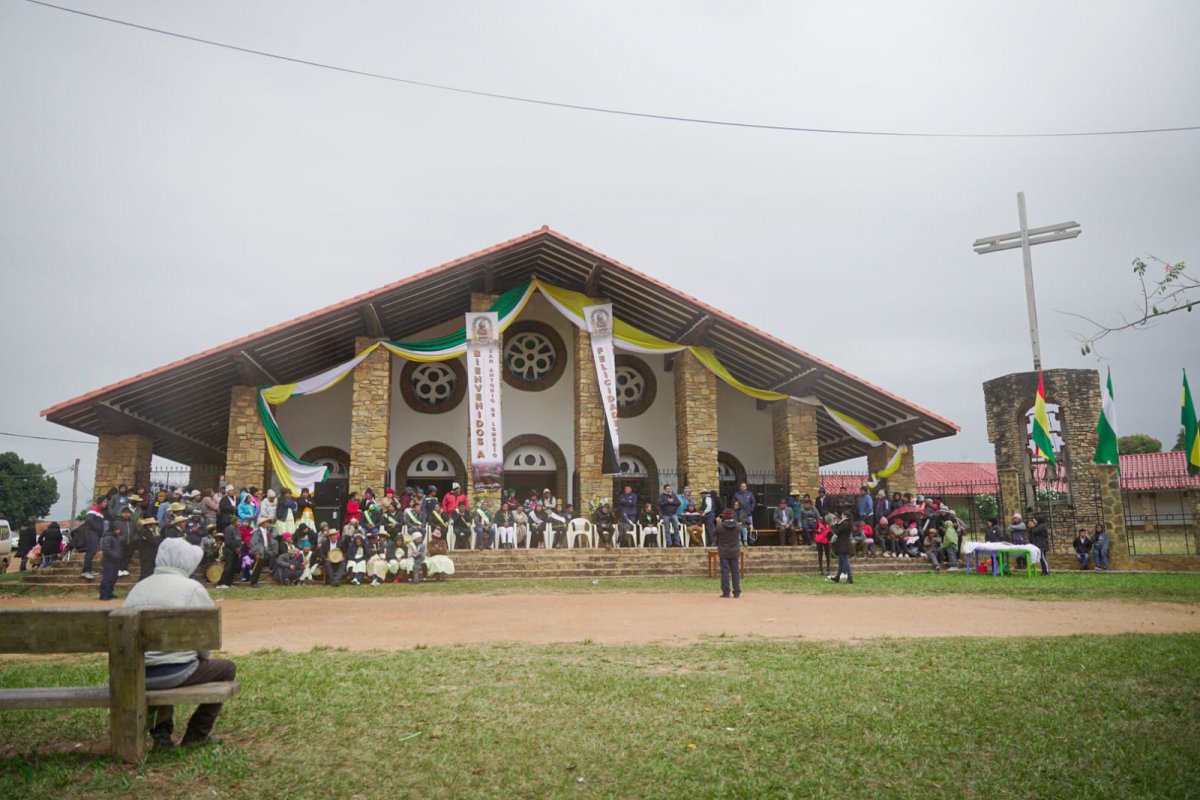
(125, 634)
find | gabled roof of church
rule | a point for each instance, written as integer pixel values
(184, 405)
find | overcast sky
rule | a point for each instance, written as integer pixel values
(158, 197)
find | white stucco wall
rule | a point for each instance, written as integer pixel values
(318, 420)
(743, 430)
(654, 429)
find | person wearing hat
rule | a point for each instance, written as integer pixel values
(173, 528)
(709, 508)
(1017, 530)
(429, 503)
(729, 548)
(807, 520)
(193, 527)
(147, 546)
(227, 508)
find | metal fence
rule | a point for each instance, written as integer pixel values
(169, 479)
(1161, 523)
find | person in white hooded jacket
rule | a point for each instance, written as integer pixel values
(171, 587)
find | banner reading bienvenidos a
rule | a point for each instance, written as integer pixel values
(483, 396)
(599, 321)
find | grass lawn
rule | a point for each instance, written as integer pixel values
(1062, 585)
(1055, 718)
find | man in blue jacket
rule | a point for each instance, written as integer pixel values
(668, 508)
(627, 505)
(864, 508)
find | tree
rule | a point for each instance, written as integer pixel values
(1138, 443)
(25, 489)
(1181, 439)
(1175, 291)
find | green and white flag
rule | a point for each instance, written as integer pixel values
(1106, 429)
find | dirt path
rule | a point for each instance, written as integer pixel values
(392, 623)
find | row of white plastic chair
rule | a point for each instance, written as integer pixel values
(575, 528)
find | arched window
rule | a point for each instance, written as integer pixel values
(431, 465)
(336, 460)
(530, 458)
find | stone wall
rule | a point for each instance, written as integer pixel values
(245, 449)
(797, 451)
(122, 458)
(370, 418)
(205, 476)
(589, 427)
(904, 479)
(695, 422)
(1077, 393)
(1113, 509)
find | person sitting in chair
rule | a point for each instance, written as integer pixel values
(605, 525)
(648, 523)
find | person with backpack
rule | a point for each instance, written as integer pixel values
(51, 542)
(26, 540)
(93, 528)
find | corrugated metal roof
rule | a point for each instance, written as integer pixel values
(184, 405)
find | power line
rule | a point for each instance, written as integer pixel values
(600, 109)
(45, 438)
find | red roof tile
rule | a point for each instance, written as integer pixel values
(1150, 471)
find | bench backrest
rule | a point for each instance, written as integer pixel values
(88, 630)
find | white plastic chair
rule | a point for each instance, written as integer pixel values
(659, 532)
(578, 526)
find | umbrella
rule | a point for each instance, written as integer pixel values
(907, 513)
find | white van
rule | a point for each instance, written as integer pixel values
(6, 545)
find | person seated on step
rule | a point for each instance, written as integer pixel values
(356, 558)
(931, 547)
(605, 524)
(648, 523)
(289, 566)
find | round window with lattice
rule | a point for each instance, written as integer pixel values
(433, 387)
(636, 385)
(534, 356)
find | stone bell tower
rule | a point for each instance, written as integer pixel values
(1070, 494)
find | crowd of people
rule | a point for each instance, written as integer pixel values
(406, 536)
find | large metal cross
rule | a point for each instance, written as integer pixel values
(1025, 238)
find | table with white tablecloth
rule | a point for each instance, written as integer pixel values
(1001, 552)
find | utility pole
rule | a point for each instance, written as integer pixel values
(1024, 239)
(75, 489)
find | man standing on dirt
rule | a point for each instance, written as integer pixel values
(729, 548)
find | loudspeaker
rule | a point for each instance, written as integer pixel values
(330, 493)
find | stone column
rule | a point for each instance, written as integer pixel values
(589, 427)
(1010, 494)
(797, 452)
(205, 476)
(695, 423)
(122, 458)
(904, 479)
(1113, 514)
(245, 449)
(370, 418)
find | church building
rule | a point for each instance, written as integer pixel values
(694, 397)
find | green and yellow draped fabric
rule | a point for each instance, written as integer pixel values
(294, 473)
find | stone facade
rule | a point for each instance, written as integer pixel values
(1113, 509)
(205, 476)
(904, 479)
(797, 452)
(122, 458)
(695, 423)
(1077, 393)
(246, 449)
(589, 427)
(370, 418)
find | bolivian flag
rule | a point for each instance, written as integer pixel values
(1042, 442)
(1191, 442)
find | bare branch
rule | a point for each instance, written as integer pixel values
(1174, 292)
